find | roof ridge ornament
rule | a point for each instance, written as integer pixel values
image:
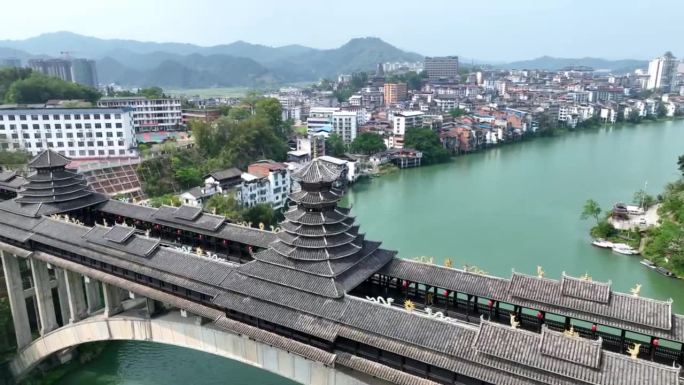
(540, 272)
(635, 290)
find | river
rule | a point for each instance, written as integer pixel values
(511, 207)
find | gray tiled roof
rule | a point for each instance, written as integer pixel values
(582, 351)
(318, 171)
(48, 159)
(225, 230)
(624, 311)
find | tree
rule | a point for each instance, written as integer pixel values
(270, 110)
(661, 111)
(261, 213)
(14, 158)
(225, 205)
(166, 199)
(456, 112)
(334, 145)
(591, 209)
(9, 76)
(188, 177)
(680, 164)
(368, 143)
(152, 93)
(643, 199)
(426, 141)
(634, 116)
(39, 88)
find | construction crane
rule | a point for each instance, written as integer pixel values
(67, 54)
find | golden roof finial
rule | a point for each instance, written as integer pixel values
(540, 272)
(571, 333)
(514, 323)
(261, 226)
(198, 251)
(409, 305)
(586, 276)
(448, 263)
(634, 351)
(635, 290)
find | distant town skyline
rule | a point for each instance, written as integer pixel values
(494, 30)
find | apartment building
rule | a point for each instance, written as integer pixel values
(662, 73)
(81, 71)
(395, 93)
(265, 182)
(445, 67)
(344, 124)
(149, 114)
(405, 120)
(79, 133)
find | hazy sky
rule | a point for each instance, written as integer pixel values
(494, 30)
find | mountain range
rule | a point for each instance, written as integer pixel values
(180, 65)
(177, 65)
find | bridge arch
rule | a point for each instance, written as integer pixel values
(172, 329)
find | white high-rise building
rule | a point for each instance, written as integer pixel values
(405, 120)
(149, 114)
(79, 133)
(344, 124)
(662, 73)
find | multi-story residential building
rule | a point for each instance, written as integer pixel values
(395, 93)
(83, 71)
(80, 133)
(445, 104)
(320, 117)
(405, 120)
(80, 71)
(10, 63)
(265, 182)
(662, 72)
(59, 68)
(149, 114)
(344, 124)
(445, 67)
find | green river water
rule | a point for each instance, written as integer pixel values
(512, 207)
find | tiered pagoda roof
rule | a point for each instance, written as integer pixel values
(319, 249)
(51, 188)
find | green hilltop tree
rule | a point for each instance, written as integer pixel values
(680, 164)
(39, 88)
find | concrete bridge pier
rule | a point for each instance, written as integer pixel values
(46, 307)
(15, 291)
(93, 294)
(62, 295)
(112, 300)
(75, 297)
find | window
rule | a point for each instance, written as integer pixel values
(96, 116)
(67, 126)
(117, 116)
(58, 126)
(67, 117)
(98, 125)
(77, 116)
(70, 135)
(58, 135)
(90, 144)
(79, 134)
(22, 117)
(79, 125)
(46, 126)
(112, 152)
(72, 153)
(100, 143)
(86, 116)
(119, 125)
(108, 125)
(110, 143)
(36, 135)
(24, 126)
(55, 117)
(98, 134)
(88, 125)
(46, 117)
(60, 144)
(107, 116)
(36, 126)
(110, 134)
(48, 135)
(91, 152)
(89, 134)
(81, 144)
(34, 117)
